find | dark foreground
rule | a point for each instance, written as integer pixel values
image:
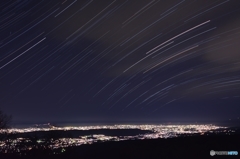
(181, 147)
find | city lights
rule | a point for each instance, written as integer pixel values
(157, 131)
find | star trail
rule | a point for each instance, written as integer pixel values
(120, 60)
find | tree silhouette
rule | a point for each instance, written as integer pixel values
(5, 120)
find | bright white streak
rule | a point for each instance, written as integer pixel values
(146, 57)
(22, 53)
(178, 36)
(171, 58)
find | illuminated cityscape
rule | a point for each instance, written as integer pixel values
(157, 131)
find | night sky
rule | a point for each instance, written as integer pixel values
(118, 60)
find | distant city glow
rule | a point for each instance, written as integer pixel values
(157, 131)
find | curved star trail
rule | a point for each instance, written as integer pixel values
(104, 60)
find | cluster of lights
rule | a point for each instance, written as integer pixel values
(179, 128)
(157, 131)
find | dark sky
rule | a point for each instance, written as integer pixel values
(117, 60)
